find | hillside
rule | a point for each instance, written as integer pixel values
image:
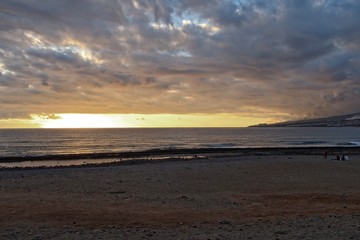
(350, 120)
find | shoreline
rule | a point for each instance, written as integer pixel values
(163, 155)
(161, 152)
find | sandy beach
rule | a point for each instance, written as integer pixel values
(285, 196)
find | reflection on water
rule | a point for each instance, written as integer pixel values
(43, 142)
(81, 162)
(56, 163)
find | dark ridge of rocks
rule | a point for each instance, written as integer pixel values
(349, 120)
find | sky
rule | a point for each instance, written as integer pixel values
(153, 63)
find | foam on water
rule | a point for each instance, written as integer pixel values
(24, 143)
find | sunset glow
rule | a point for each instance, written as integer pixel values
(81, 121)
(137, 120)
(66, 64)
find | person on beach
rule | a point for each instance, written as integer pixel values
(325, 154)
(342, 158)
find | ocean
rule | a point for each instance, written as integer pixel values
(30, 143)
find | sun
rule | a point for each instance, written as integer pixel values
(82, 121)
(113, 120)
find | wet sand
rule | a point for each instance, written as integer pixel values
(222, 197)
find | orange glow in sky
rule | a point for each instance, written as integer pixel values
(131, 120)
(82, 121)
(230, 63)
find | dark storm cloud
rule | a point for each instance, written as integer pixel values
(299, 57)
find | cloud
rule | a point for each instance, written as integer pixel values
(299, 58)
(14, 115)
(45, 116)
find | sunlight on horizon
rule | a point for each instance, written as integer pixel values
(81, 121)
(75, 120)
(141, 120)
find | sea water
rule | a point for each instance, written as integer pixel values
(43, 142)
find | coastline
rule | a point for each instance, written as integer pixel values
(261, 194)
(160, 155)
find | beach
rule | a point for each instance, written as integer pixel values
(223, 196)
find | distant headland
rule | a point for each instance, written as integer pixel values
(349, 120)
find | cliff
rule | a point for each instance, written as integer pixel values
(350, 120)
